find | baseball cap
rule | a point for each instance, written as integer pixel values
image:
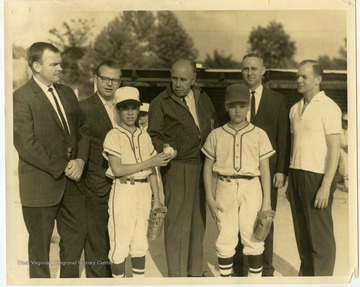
(144, 107)
(127, 96)
(237, 93)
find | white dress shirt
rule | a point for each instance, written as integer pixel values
(52, 101)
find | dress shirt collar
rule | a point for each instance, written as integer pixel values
(43, 87)
(105, 102)
(258, 92)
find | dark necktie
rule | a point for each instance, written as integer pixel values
(63, 121)
(252, 107)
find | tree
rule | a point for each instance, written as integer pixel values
(171, 41)
(336, 63)
(220, 61)
(143, 39)
(18, 52)
(72, 40)
(127, 39)
(274, 45)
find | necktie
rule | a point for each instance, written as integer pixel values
(252, 107)
(63, 121)
(184, 101)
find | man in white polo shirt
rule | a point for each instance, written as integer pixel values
(315, 130)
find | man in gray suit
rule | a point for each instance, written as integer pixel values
(99, 113)
(52, 140)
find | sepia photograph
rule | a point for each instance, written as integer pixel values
(151, 142)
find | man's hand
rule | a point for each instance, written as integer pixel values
(214, 209)
(322, 197)
(74, 169)
(279, 180)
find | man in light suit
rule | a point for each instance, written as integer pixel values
(99, 113)
(52, 140)
(268, 112)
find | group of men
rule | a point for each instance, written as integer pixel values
(62, 169)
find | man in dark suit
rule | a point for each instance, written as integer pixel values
(98, 110)
(267, 111)
(52, 140)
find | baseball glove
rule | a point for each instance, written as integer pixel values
(263, 223)
(156, 222)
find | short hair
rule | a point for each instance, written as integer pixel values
(36, 52)
(316, 66)
(191, 64)
(108, 63)
(253, 55)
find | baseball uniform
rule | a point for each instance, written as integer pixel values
(236, 156)
(130, 196)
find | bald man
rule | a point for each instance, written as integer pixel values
(182, 116)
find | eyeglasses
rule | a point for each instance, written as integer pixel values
(107, 80)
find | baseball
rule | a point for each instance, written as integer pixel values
(169, 150)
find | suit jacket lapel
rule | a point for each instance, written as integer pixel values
(44, 99)
(67, 107)
(264, 102)
(99, 106)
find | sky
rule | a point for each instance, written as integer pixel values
(316, 32)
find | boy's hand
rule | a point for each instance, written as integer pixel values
(157, 204)
(214, 209)
(161, 159)
(167, 149)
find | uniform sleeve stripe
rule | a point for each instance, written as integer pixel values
(112, 152)
(268, 154)
(207, 153)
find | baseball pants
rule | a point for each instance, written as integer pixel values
(241, 199)
(129, 211)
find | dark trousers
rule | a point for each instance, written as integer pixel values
(70, 219)
(313, 227)
(184, 225)
(97, 238)
(241, 265)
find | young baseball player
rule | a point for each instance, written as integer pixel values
(237, 181)
(132, 159)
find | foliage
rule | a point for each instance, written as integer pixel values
(171, 42)
(142, 39)
(336, 63)
(274, 45)
(72, 39)
(126, 39)
(18, 52)
(220, 61)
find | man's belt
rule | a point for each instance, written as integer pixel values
(237, 176)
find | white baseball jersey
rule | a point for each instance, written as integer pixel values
(237, 152)
(129, 204)
(130, 148)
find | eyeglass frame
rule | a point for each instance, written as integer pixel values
(106, 80)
